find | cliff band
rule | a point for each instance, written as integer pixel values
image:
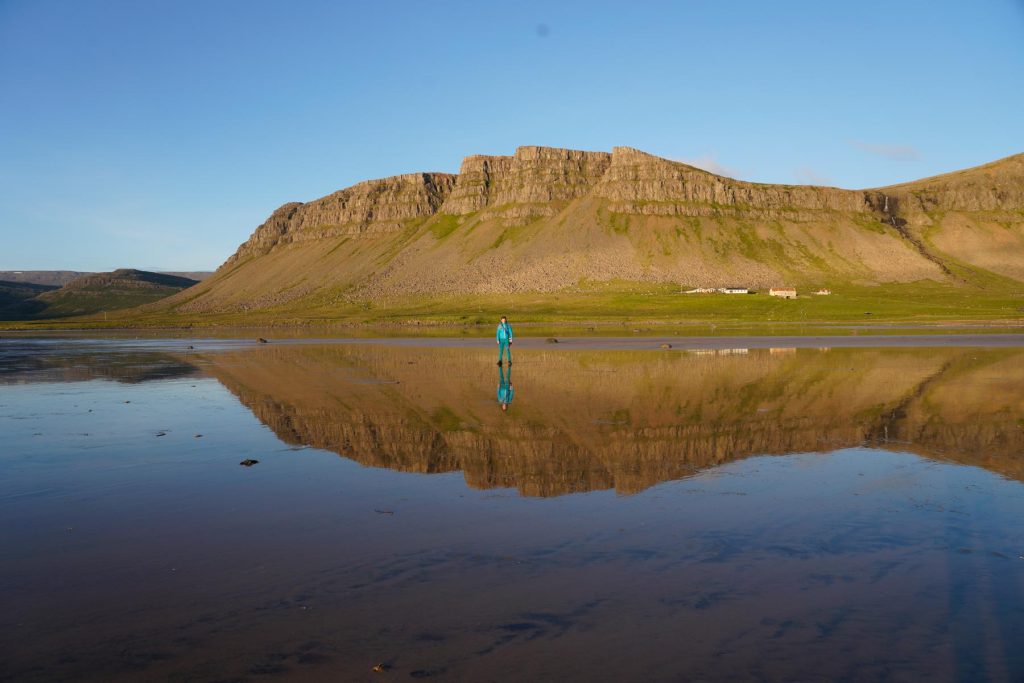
(548, 219)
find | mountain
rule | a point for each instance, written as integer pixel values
(88, 294)
(50, 278)
(59, 278)
(18, 299)
(548, 220)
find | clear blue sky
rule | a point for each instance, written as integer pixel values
(159, 134)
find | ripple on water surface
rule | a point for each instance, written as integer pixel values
(779, 514)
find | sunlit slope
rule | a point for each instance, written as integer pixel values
(972, 220)
(547, 220)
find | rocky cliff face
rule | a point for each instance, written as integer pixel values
(998, 186)
(536, 181)
(475, 186)
(368, 208)
(550, 219)
(642, 184)
(539, 181)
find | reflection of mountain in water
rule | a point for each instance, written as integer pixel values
(628, 420)
(24, 362)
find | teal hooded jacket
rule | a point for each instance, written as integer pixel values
(504, 333)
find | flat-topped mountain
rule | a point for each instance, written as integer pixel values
(545, 219)
(49, 278)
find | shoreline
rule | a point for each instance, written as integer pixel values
(711, 343)
(604, 328)
(736, 343)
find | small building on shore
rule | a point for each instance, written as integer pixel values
(823, 292)
(734, 290)
(783, 292)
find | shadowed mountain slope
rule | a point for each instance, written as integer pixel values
(18, 299)
(88, 294)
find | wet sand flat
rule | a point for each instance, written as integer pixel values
(747, 342)
(724, 513)
(90, 343)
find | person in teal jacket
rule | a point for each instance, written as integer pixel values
(504, 335)
(505, 391)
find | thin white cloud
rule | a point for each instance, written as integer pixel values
(809, 176)
(710, 163)
(886, 151)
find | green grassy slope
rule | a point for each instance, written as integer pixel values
(622, 306)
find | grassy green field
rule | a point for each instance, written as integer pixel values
(90, 301)
(909, 303)
(617, 306)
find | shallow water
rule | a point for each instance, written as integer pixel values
(724, 513)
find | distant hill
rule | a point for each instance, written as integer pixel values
(18, 299)
(52, 278)
(88, 294)
(552, 220)
(59, 278)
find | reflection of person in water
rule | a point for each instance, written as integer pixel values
(505, 390)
